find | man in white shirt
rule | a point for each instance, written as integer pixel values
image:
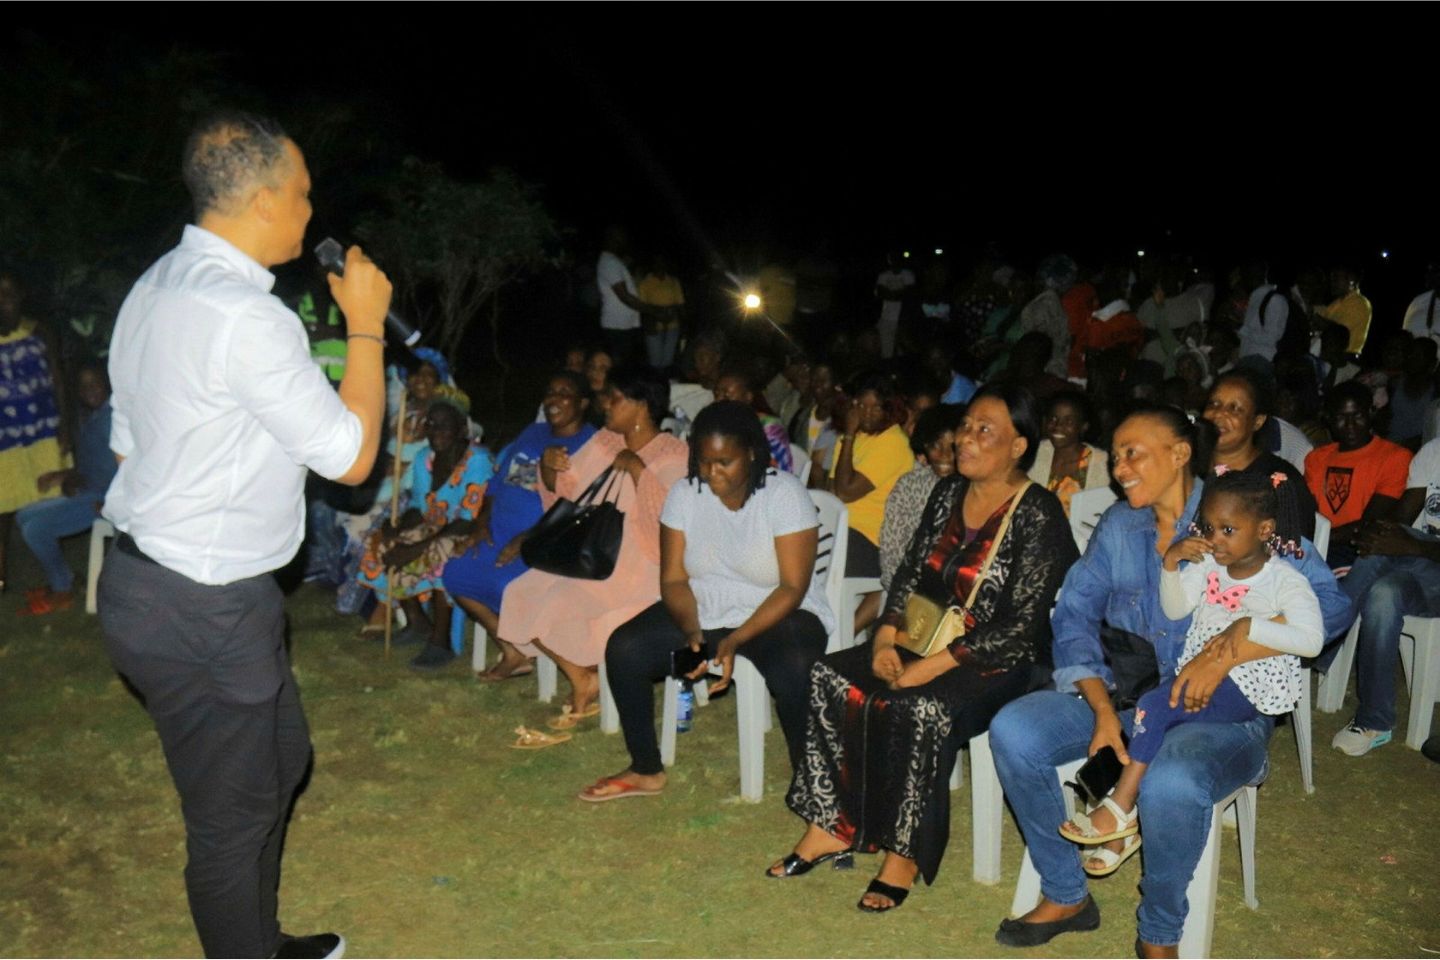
(1262, 329)
(620, 305)
(218, 411)
(1422, 317)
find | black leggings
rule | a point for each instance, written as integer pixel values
(638, 656)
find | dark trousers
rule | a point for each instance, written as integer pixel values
(211, 665)
(625, 346)
(1154, 716)
(638, 656)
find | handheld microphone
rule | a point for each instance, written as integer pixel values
(332, 257)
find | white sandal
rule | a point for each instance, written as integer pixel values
(1127, 824)
(1109, 858)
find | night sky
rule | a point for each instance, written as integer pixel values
(737, 129)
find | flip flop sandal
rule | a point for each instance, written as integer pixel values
(623, 788)
(490, 676)
(1085, 832)
(569, 719)
(795, 865)
(527, 739)
(1110, 858)
(897, 896)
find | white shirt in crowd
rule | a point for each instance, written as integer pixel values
(1259, 335)
(730, 554)
(1422, 317)
(1425, 474)
(894, 281)
(218, 411)
(614, 315)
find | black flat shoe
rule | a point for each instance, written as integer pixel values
(897, 896)
(1017, 933)
(795, 865)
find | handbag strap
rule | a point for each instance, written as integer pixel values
(995, 545)
(594, 488)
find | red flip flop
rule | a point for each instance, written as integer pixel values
(622, 789)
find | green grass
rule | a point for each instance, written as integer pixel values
(422, 834)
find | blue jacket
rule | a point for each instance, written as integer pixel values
(1118, 581)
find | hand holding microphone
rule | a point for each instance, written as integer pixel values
(363, 293)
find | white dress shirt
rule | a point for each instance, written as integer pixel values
(614, 314)
(218, 411)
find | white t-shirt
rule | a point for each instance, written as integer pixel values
(893, 282)
(1259, 335)
(1416, 321)
(1425, 472)
(730, 554)
(614, 315)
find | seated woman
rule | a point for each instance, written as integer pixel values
(1160, 460)
(1065, 463)
(1240, 405)
(409, 556)
(82, 491)
(738, 385)
(885, 724)
(872, 454)
(933, 443)
(568, 619)
(737, 560)
(477, 578)
(813, 427)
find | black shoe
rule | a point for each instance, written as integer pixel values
(1017, 933)
(320, 946)
(795, 865)
(432, 658)
(897, 896)
(1431, 747)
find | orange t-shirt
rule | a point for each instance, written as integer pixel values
(1343, 483)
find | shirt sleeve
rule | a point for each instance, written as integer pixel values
(121, 442)
(1336, 610)
(268, 369)
(1078, 612)
(1303, 632)
(1394, 472)
(886, 460)
(790, 508)
(679, 506)
(1175, 599)
(1424, 466)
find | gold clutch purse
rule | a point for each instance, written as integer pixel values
(929, 626)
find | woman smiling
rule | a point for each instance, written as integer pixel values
(1240, 406)
(737, 557)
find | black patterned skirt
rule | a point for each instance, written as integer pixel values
(877, 761)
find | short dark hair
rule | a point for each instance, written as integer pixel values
(638, 383)
(229, 154)
(576, 380)
(733, 421)
(1350, 390)
(933, 423)
(1024, 412)
(1262, 393)
(1076, 399)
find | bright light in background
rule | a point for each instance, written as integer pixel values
(907, 254)
(752, 301)
(1384, 254)
(939, 252)
(1139, 253)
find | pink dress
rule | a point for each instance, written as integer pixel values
(575, 618)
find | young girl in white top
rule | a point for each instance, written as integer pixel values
(1237, 587)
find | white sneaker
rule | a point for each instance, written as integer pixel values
(1357, 742)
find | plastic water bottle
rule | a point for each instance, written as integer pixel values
(685, 710)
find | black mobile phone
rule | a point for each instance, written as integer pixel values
(1097, 777)
(684, 661)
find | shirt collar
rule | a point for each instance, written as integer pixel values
(200, 239)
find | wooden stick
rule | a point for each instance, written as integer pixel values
(394, 513)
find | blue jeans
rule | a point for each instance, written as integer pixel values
(1386, 590)
(42, 525)
(1154, 717)
(1198, 764)
(660, 347)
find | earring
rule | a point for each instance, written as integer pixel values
(1274, 545)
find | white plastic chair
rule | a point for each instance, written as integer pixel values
(1300, 716)
(987, 807)
(1195, 939)
(1085, 510)
(100, 531)
(800, 462)
(855, 589)
(1419, 658)
(752, 697)
(547, 675)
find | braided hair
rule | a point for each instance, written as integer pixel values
(1259, 492)
(732, 420)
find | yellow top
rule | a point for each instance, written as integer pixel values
(1352, 312)
(882, 458)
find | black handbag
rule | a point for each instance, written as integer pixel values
(579, 538)
(1133, 664)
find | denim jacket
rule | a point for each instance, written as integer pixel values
(1118, 581)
